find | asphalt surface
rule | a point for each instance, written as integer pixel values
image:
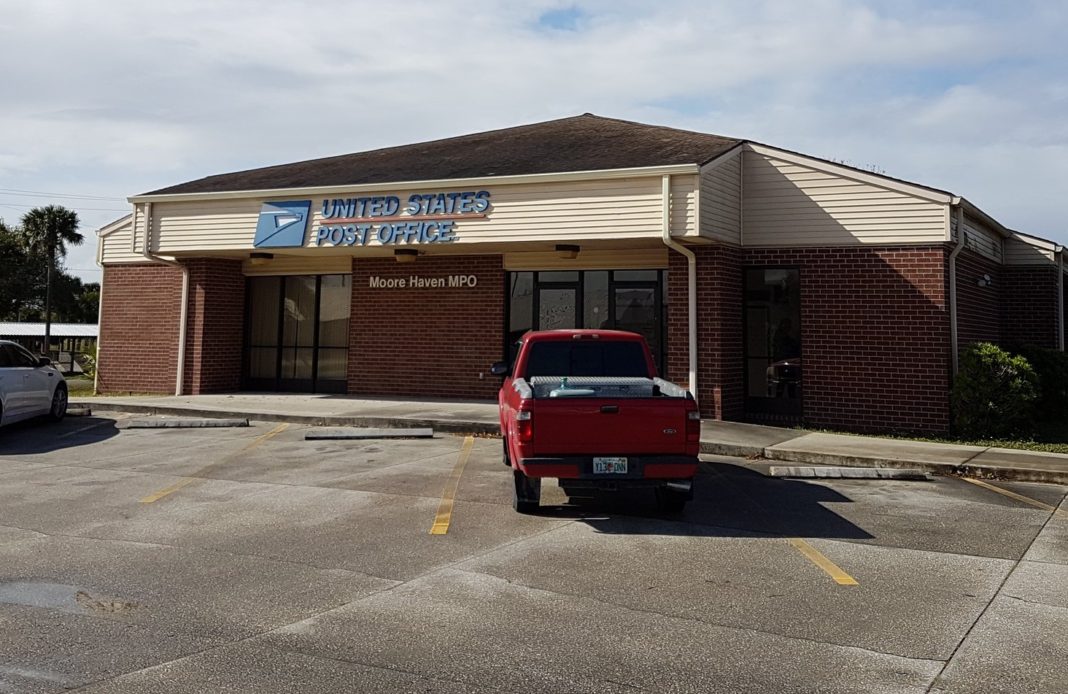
(253, 560)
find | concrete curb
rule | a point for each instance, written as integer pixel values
(439, 425)
(183, 423)
(1052, 476)
(847, 473)
(365, 434)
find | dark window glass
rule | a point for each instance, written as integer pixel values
(17, 356)
(335, 296)
(773, 339)
(595, 298)
(559, 276)
(634, 275)
(556, 309)
(5, 358)
(587, 359)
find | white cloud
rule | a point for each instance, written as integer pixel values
(126, 96)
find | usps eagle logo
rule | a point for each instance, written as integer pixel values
(282, 224)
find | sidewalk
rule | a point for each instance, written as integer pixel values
(717, 438)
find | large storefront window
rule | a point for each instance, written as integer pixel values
(773, 342)
(610, 299)
(297, 333)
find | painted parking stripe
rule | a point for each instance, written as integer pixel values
(444, 515)
(167, 491)
(829, 567)
(1019, 497)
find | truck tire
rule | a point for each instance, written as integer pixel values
(670, 501)
(527, 494)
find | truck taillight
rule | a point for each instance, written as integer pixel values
(693, 426)
(524, 425)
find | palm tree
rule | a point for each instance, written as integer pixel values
(49, 230)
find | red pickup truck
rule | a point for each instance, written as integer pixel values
(586, 407)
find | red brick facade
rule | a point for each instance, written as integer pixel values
(426, 342)
(1029, 310)
(215, 330)
(139, 328)
(978, 307)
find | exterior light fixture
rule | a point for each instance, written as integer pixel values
(405, 255)
(567, 251)
(260, 258)
(985, 281)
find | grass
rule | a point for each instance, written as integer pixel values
(1051, 437)
(80, 386)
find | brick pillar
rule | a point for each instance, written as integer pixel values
(719, 328)
(139, 328)
(215, 327)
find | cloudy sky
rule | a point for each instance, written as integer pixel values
(102, 100)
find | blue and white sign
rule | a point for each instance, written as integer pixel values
(387, 221)
(282, 224)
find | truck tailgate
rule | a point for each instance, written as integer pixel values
(607, 426)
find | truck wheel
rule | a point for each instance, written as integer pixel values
(670, 501)
(527, 494)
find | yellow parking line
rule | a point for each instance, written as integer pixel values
(1019, 497)
(167, 491)
(444, 515)
(829, 567)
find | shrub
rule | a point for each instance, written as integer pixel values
(1051, 366)
(995, 394)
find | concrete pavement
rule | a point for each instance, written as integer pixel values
(717, 438)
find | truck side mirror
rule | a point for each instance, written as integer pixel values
(500, 368)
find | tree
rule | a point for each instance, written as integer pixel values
(21, 274)
(49, 230)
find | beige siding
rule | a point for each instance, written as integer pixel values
(980, 238)
(609, 209)
(790, 204)
(116, 248)
(1024, 251)
(619, 259)
(683, 205)
(721, 200)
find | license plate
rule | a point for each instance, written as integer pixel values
(609, 466)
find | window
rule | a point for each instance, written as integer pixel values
(773, 341)
(574, 358)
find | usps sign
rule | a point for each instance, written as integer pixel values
(282, 224)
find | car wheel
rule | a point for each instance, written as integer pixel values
(527, 495)
(59, 403)
(670, 501)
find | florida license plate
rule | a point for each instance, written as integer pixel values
(609, 466)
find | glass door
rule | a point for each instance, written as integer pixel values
(297, 333)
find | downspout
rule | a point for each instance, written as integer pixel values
(961, 241)
(691, 283)
(183, 317)
(1060, 299)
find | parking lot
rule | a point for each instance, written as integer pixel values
(252, 560)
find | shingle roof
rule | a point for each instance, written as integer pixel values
(578, 143)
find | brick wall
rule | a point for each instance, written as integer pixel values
(978, 308)
(215, 329)
(1029, 313)
(139, 328)
(426, 342)
(874, 335)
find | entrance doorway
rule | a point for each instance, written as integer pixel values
(297, 333)
(605, 299)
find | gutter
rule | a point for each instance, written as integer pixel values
(961, 241)
(183, 319)
(691, 283)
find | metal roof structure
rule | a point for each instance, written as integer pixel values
(58, 329)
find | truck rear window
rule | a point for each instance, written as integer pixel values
(587, 359)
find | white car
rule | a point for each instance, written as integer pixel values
(29, 386)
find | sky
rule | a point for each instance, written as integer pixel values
(103, 100)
